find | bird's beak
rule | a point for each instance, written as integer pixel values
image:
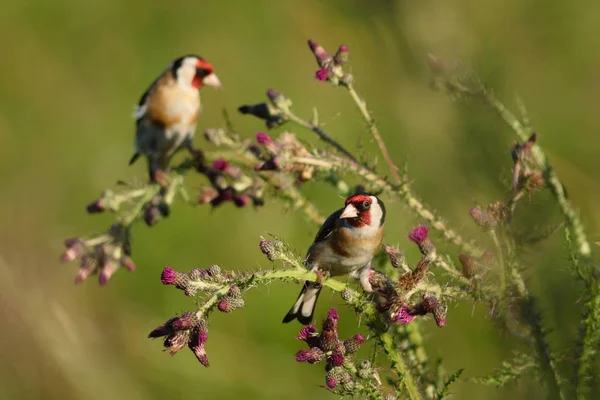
(212, 80)
(349, 212)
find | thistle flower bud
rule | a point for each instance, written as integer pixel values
(483, 219)
(347, 79)
(229, 304)
(341, 57)
(336, 359)
(196, 344)
(75, 249)
(364, 369)
(321, 74)
(336, 376)
(268, 249)
(321, 55)
(311, 356)
(220, 164)
(353, 344)
(207, 194)
(197, 274)
(108, 269)
(403, 315)
(395, 256)
(331, 382)
(274, 96)
(169, 276)
(152, 215)
(235, 292)
(328, 340)
(269, 165)
(263, 138)
(87, 267)
(469, 265)
(434, 305)
(349, 295)
(184, 322)
(309, 331)
(127, 263)
(96, 207)
(419, 236)
(214, 270)
(241, 201)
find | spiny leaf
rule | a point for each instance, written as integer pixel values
(446, 389)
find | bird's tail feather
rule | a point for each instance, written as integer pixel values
(134, 158)
(304, 308)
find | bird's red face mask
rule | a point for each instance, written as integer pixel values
(205, 75)
(357, 210)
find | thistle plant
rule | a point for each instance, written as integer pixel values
(253, 170)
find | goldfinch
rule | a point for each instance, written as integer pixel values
(345, 244)
(167, 112)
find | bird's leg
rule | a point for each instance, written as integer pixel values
(363, 277)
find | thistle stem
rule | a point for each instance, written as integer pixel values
(552, 180)
(362, 107)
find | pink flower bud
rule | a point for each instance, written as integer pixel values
(263, 138)
(95, 207)
(321, 55)
(341, 57)
(321, 74)
(307, 332)
(220, 164)
(336, 359)
(241, 201)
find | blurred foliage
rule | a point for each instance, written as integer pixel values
(69, 76)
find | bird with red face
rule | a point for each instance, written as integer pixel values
(345, 244)
(167, 112)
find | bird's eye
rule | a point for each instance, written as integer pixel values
(366, 204)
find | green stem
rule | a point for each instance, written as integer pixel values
(266, 276)
(362, 107)
(399, 365)
(324, 136)
(131, 215)
(552, 179)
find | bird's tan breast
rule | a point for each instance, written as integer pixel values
(170, 104)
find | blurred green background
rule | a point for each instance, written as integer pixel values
(70, 74)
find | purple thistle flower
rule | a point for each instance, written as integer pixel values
(241, 200)
(225, 305)
(263, 138)
(168, 276)
(336, 359)
(404, 315)
(331, 382)
(220, 164)
(353, 344)
(419, 234)
(333, 314)
(321, 74)
(307, 332)
(302, 355)
(185, 322)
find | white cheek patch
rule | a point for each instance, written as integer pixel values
(376, 212)
(139, 111)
